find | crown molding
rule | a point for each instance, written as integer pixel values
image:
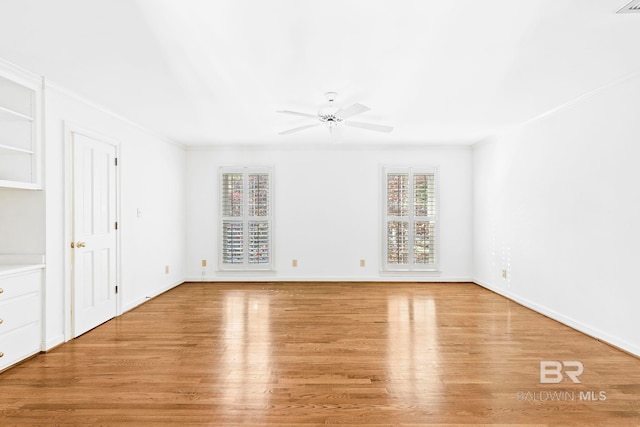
(328, 147)
(48, 84)
(565, 105)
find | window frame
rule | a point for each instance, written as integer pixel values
(411, 266)
(245, 266)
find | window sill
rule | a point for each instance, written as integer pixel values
(243, 271)
(430, 272)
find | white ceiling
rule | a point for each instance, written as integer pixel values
(215, 71)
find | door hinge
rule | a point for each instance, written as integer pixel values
(116, 161)
(116, 225)
(116, 289)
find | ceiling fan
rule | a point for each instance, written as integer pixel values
(333, 116)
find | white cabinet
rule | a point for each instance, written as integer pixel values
(20, 94)
(21, 215)
(20, 313)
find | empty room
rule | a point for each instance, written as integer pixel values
(297, 213)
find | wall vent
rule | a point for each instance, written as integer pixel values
(632, 7)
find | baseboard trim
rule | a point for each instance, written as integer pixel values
(141, 301)
(405, 279)
(594, 333)
(52, 343)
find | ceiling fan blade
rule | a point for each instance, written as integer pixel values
(352, 110)
(297, 113)
(287, 132)
(370, 126)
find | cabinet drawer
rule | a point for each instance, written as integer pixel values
(19, 311)
(19, 344)
(20, 284)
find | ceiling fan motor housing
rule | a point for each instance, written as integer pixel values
(329, 116)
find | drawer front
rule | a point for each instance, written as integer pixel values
(19, 311)
(20, 284)
(19, 344)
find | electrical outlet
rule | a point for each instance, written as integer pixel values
(362, 263)
(294, 263)
(204, 262)
(504, 273)
(166, 269)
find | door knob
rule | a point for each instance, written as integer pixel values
(77, 245)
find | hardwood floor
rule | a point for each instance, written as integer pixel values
(301, 354)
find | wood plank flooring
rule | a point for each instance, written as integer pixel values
(302, 354)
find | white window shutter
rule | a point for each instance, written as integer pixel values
(259, 242)
(398, 195)
(398, 242)
(232, 195)
(232, 242)
(424, 204)
(410, 219)
(258, 197)
(245, 211)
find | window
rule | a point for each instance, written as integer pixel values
(410, 219)
(246, 219)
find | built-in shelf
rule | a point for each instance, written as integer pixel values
(18, 185)
(10, 149)
(20, 94)
(7, 114)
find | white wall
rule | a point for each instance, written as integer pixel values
(151, 178)
(327, 210)
(557, 203)
(21, 222)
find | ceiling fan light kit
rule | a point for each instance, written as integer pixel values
(333, 116)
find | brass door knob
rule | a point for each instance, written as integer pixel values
(80, 245)
(1, 354)
(1, 321)
(1, 290)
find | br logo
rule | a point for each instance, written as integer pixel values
(553, 371)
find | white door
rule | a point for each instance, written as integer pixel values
(94, 233)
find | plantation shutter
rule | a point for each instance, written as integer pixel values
(258, 205)
(409, 219)
(398, 218)
(245, 197)
(424, 205)
(232, 215)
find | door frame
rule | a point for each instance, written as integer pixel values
(70, 129)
